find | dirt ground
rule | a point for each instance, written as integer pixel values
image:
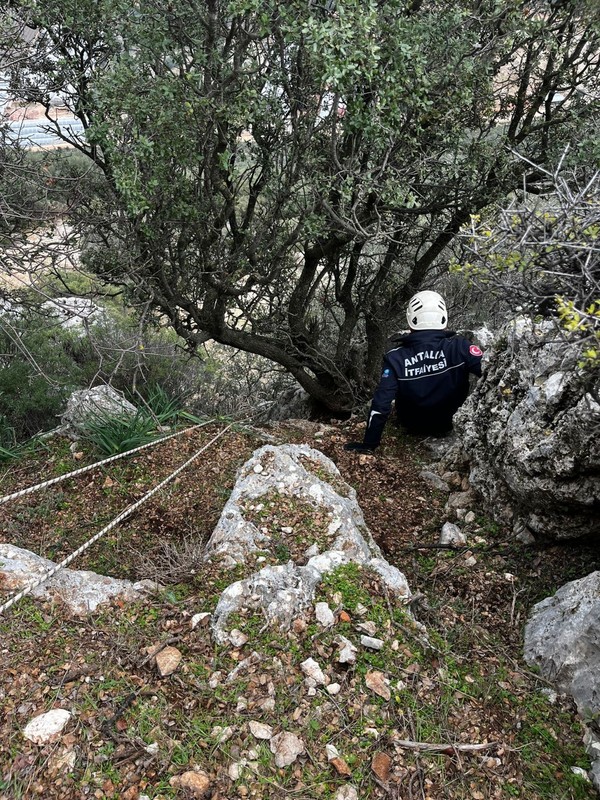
(135, 731)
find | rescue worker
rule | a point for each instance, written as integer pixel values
(427, 375)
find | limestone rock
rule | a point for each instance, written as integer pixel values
(435, 480)
(81, 590)
(530, 429)
(167, 661)
(452, 536)
(89, 404)
(74, 313)
(371, 642)
(347, 652)
(47, 727)
(312, 670)
(196, 783)
(260, 730)
(561, 638)
(324, 615)
(283, 592)
(286, 747)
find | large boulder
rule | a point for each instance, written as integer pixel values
(90, 404)
(530, 430)
(290, 505)
(562, 638)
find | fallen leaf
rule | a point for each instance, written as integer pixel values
(377, 683)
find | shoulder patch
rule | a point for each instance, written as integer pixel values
(475, 351)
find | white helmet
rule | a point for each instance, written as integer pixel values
(427, 311)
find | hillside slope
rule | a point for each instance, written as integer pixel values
(136, 733)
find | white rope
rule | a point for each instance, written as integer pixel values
(82, 470)
(123, 515)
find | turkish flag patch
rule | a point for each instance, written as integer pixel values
(475, 351)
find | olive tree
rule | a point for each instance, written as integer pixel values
(280, 177)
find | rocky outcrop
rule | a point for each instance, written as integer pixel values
(74, 313)
(531, 430)
(81, 591)
(90, 404)
(293, 484)
(562, 638)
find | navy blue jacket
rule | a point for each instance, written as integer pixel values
(428, 377)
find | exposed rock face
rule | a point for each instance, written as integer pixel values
(562, 637)
(74, 313)
(81, 590)
(531, 431)
(282, 591)
(89, 404)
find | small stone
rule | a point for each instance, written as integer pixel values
(286, 747)
(242, 704)
(371, 643)
(452, 536)
(259, 730)
(267, 704)
(237, 638)
(312, 670)
(168, 660)
(258, 468)
(434, 480)
(370, 628)
(324, 615)
(332, 752)
(334, 688)
(312, 551)
(196, 783)
(470, 561)
(235, 770)
(523, 534)
(361, 610)
(152, 748)
(372, 732)
(550, 695)
(470, 517)
(47, 727)
(347, 653)
(346, 793)
(222, 734)
(376, 682)
(581, 773)
(287, 529)
(215, 679)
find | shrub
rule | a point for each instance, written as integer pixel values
(112, 435)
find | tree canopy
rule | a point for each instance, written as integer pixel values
(281, 177)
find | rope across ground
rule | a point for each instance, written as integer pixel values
(473, 688)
